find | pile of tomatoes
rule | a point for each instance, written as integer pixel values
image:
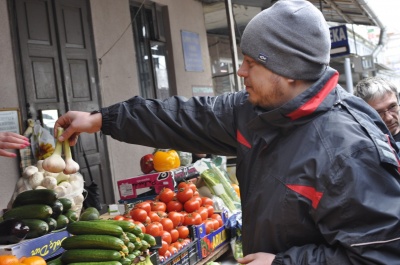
(170, 214)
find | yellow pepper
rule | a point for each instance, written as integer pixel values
(165, 161)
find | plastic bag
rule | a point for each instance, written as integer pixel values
(234, 225)
(42, 142)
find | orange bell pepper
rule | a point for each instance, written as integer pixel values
(166, 160)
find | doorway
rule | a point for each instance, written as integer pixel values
(57, 71)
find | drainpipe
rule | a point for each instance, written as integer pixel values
(232, 40)
(382, 36)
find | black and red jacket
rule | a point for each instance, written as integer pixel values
(318, 177)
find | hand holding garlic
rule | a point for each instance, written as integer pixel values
(55, 163)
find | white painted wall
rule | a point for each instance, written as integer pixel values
(9, 167)
(117, 74)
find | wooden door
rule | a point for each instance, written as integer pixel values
(59, 72)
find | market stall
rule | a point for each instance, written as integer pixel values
(175, 213)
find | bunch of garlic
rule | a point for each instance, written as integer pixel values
(65, 185)
(55, 163)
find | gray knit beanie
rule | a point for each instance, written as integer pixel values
(291, 39)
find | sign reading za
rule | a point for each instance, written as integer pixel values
(339, 41)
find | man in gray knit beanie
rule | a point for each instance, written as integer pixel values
(312, 159)
(291, 39)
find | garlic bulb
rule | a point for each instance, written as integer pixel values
(36, 180)
(55, 163)
(71, 166)
(49, 182)
(29, 171)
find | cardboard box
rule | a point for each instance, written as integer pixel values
(206, 244)
(153, 183)
(46, 246)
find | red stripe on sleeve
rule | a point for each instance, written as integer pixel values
(308, 192)
(240, 138)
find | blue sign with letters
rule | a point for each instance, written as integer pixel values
(192, 52)
(339, 41)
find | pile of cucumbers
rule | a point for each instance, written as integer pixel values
(42, 211)
(109, 242)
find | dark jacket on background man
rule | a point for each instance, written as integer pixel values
(319, 181)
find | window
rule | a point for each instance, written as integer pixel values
(151, 49)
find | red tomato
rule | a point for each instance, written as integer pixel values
(182, 185)
(183, 231)
(198, 198)
(176, 218)
(192, 219)
(187, 241)
(203, 212)
(166, 195)
(218, 218)
(167, 224)
(166, 236)
(162, 214)
(158, 206)
(216, 223)
(172, 249)
(153, 229)
(210, 210)
(138, 214)
(174, 235)
(174, 205)
(209, 224)
(154, 217)
(119, 217)
(163, 249)
(178, 245)
(192, 186)
(184, 194)
(160, 226)
(207, 201)
(191, 205)
(141, 225)
(128, 219)
(144, 205)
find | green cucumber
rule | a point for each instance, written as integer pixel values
(89, 227)
(88, 216)
(67, 204)
(41, 196)
(94, 241)
(90, 255)
(124, 238)
(72, 215)
(150, 239)
(125, 261)
(131, 247)
(127, 226)
(57, 208)
(145, 245)
(52, 223)
(92, 210)
(37, 228)
(62, 221)
(31, 211)
(97, 263)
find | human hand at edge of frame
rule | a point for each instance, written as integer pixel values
(259, 258)
(10, 140)
(77, 122)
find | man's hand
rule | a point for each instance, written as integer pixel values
(259, 258)
(76, 122)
